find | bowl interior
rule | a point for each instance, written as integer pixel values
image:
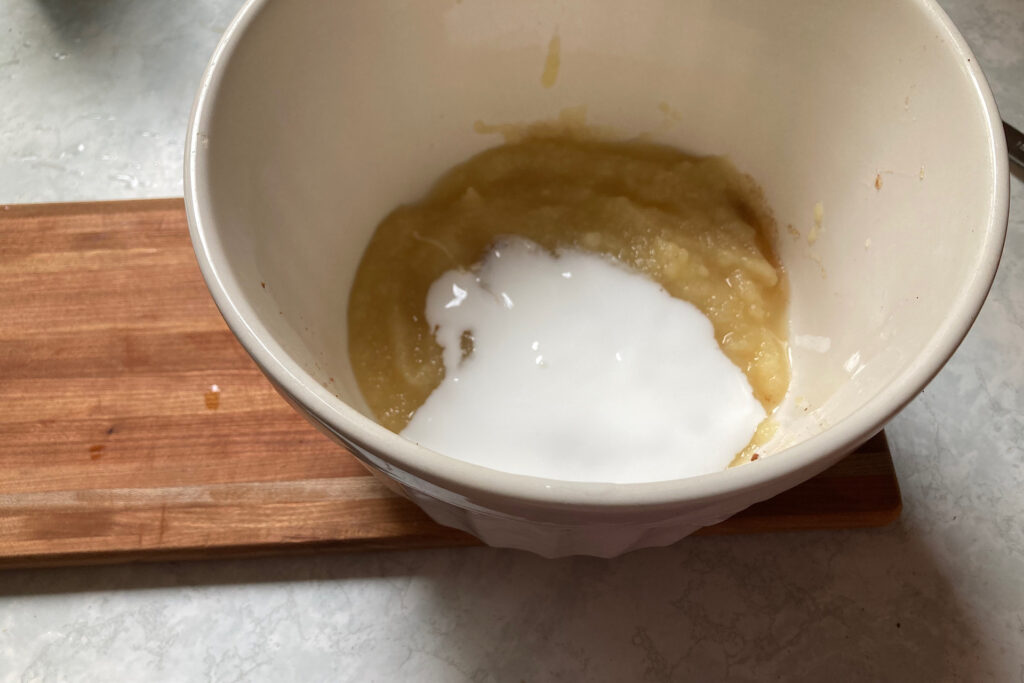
(325, 116)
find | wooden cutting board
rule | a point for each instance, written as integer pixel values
(134, 427)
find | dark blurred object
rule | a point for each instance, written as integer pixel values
(1014, 143)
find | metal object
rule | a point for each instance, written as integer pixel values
(1014, 143)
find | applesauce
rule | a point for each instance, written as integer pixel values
(695, 225)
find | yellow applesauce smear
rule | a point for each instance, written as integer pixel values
(695, 225)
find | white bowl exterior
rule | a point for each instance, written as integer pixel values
(315, 119)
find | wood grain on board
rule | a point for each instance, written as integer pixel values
(115, 446)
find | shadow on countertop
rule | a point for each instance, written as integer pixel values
(797, 606)
(75, 18)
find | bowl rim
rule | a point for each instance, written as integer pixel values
(480, 485)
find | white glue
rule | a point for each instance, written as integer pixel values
(580, 370)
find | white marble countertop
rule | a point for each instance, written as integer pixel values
(94, 97)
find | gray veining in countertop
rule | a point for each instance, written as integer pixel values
(94, 96)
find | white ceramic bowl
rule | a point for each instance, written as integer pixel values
(314, 119)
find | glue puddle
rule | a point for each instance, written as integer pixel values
(579, 370)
